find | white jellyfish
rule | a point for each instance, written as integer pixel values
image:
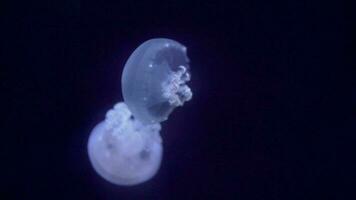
(126, 148)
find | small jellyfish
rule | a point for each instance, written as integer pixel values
(126, 148)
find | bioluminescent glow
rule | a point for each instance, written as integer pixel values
(126, 148)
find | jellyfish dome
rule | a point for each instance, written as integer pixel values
(154, 80)
(126, 148)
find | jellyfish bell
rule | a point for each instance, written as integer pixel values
(154, 80)
(123, 150)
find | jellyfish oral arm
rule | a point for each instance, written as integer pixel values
(175, 89)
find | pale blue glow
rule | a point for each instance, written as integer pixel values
(126, 148)
(153, 80)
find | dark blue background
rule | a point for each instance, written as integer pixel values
(273, 105)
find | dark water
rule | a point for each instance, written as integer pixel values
(272, 115)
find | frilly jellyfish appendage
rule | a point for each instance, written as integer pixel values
(123, 150)
(154, 80)
(174, 88)
(126, 148)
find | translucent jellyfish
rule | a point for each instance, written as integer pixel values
(154, 80)
(126, 148)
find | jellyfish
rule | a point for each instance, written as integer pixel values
(126, 147)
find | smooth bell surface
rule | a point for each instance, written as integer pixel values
(154, 80)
